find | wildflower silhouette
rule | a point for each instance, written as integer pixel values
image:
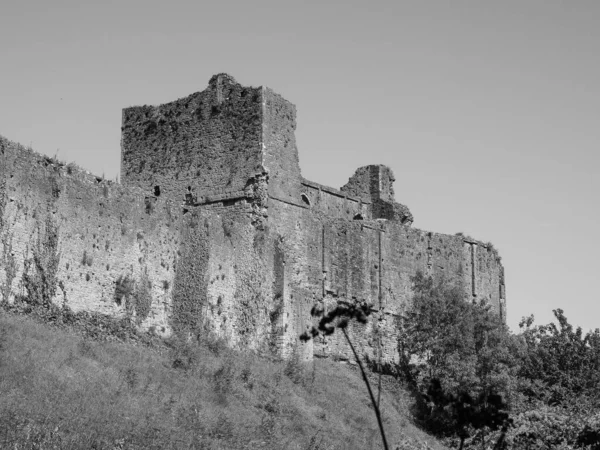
(338, 318)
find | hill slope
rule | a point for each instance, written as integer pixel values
(61, 390)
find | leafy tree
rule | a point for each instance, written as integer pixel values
(459, 356)
(463, 343)
(561, 364)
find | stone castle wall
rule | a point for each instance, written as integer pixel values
(105, 232)
(195, 264)
(214, 227)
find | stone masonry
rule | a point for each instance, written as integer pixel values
(213, 228)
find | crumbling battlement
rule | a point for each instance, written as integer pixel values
(214, 227)
(375, 184)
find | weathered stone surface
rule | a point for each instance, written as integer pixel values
(202, 146)
(214, 223)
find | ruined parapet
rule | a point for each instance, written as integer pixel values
(375, 184)
(370, 183)
(392, 211)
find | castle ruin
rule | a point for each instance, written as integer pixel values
(214, 227)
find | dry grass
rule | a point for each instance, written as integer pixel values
(60, 390)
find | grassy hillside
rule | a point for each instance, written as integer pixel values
(61, 390)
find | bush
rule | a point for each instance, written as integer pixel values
(560, 362)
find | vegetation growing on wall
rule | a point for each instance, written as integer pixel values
(123, 289)
(2, 198)
(9, 264)
(275, 319)
(87, 260)
(142, 297)
(136, 296)
(190, 283)
(7, 259)
(41, 268)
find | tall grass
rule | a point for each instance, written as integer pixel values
(60, 390)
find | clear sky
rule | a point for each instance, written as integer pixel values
(487, 112)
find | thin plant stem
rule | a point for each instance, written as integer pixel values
(366, 380)
(379, 388)
(379, 369)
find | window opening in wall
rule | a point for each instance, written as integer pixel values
(157, 191)
(358, 217)
(305, 199)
